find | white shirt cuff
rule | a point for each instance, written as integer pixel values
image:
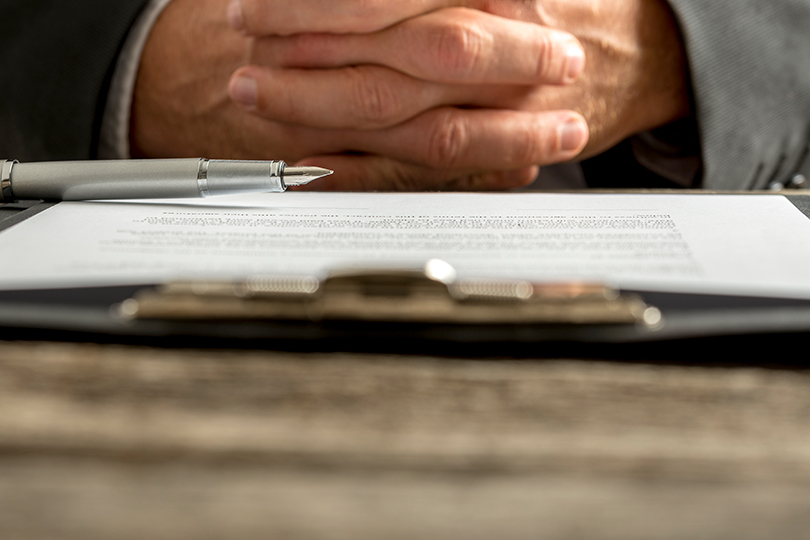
(114, 136)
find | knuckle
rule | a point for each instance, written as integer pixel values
(529, 143)
(374, 102)
(447, 142)
(526, 146)
(545, 51)
(283, 107)
(547, 145)
(459, 48)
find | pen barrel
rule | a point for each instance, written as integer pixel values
(115, 179)
(144, 179)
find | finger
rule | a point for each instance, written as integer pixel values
(365, 97)
(378, 173)
(483, 139)
(494, 180)
(454, 45)
(285, 17)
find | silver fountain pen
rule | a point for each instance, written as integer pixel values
(147, 178)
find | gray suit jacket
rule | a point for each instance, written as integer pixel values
(749, 62)
(750, 68)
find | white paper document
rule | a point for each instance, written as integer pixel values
(718, 244)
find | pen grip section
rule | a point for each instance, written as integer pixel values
(223, 177)
(115, 179)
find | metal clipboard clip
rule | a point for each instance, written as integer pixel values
(432, 294)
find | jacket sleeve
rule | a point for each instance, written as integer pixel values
(57, 58)
(749, 62)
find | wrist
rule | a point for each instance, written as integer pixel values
(181, 84)
(665, 94)
(636, 77)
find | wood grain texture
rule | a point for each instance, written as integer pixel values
(127, 442)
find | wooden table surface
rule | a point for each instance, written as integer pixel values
(110, 441)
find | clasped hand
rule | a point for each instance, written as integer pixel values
(398, 95)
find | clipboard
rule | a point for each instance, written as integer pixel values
(573, 316)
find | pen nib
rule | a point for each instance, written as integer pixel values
(298, 176)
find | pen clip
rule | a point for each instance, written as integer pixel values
(432, 295)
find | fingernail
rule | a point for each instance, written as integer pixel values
(573, 134)
(574, 62)
(245, 91)
(235, 18)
